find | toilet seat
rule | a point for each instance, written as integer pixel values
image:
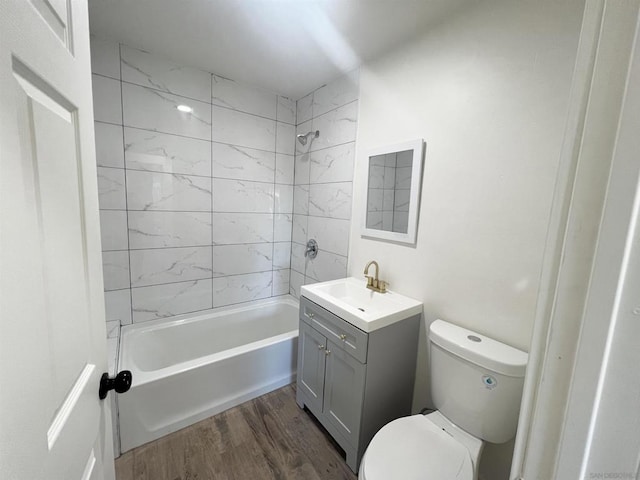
(414, 448)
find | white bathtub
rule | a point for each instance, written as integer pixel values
(191, 367)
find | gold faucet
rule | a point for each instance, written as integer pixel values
(372, 282)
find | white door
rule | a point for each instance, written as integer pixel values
(52, 331)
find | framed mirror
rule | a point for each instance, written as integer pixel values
(394, 175)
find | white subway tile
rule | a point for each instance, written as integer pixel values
(285, 138)
(118, 306)
(243, 129)
(334, 164)
(336, 127)
(169, 265)
(234, 95)
(242, 163)
(233, 228)
(299, 229)
(330, 200)
(167, 191)
(280, 282)
(241, 259)
(105, 57)
(281, 255)
(286, 110)
(115, 269)
(241, 288)
(107, 102)
(113, 230)
(284, 199)
(298, 260)
(301, 199)
(242, 196)
(296, 280)
(327, 266)
(109, 148)
(169, 229)
(154, 110)
(284, 168)
(302, 166)
(304, 109)
(153, 71)
(162, 152)
(331, 234)
(160, 301)
(111, 189)
(282, 227)
(337, 93)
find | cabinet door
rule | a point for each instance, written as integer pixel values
(343, 391)
(311, 365)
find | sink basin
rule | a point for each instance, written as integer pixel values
(350, 299)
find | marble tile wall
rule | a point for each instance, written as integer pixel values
(196, 208)
(322, 197)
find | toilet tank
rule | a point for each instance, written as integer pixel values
(476, 382)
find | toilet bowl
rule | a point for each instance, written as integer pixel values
(476, 385)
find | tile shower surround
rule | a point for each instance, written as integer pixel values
(323, 181)
(196, 209)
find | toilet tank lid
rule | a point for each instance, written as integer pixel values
(478, 349)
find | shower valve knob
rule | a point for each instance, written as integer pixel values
(120, 383)
(312, 249)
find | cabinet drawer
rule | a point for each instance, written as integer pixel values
(353, 340)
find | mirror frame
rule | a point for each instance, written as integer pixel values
(418, 147)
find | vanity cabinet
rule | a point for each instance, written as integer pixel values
(352, 381)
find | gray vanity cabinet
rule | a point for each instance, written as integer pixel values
(311, 351)
(343, 390)
(354, 382)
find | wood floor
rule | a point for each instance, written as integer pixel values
(266, 438)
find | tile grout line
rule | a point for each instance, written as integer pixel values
(307, 260)
(293, 180)
(212, 193)
(273, 223)
(163, 132)
(209, 100)
(126, 193)
(117, 410)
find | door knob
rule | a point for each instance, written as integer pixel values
(120, 383)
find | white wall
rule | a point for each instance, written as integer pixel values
(488, 90)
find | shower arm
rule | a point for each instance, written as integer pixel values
(303, 138)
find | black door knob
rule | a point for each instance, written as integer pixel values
(120, 383)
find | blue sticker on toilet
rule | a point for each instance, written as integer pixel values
(489, 382)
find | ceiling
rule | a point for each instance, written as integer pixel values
(290, 47)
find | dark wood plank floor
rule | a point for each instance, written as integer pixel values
(266, 438)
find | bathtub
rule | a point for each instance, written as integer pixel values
(190, 367)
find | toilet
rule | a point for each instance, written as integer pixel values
(476, 386)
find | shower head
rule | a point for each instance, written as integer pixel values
(303, 138)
